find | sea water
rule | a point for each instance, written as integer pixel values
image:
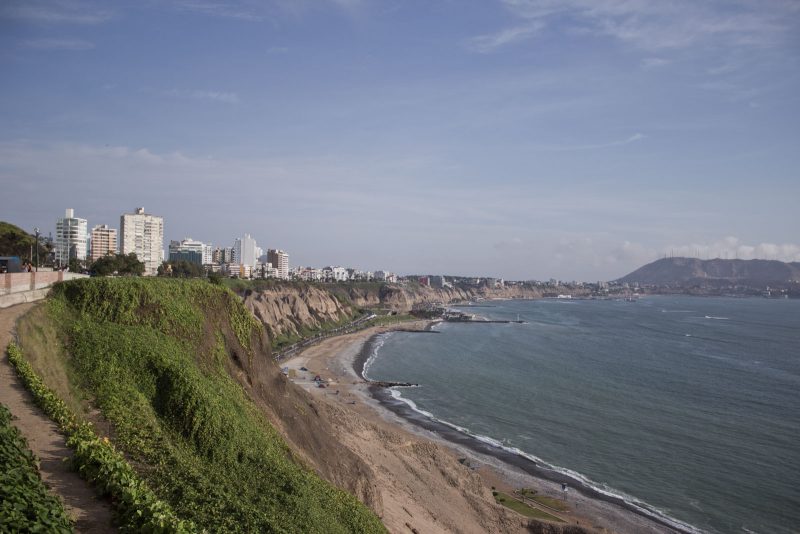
(687, 405)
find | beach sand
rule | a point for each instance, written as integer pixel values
(424, 487)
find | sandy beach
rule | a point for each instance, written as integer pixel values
(430, 480)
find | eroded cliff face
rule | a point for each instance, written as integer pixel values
(405, 298)
(291, 309)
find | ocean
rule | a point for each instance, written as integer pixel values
(688, 408)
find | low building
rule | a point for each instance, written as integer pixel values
(192, 251)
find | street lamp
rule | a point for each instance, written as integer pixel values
(36, 231)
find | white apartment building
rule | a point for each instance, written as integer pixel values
(71, 238)
(189, 248)
(143, 234)
(308, 274)
(335, 274)
(244, 251)
(280, 261)
(104, 241)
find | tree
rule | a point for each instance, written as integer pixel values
(75, 265)
(14, 241)
(118, 263)
(181, 269)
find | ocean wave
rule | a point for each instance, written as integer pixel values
(716, 318)
(377, 343)
(642, 507)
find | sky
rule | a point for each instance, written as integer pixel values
(523, 139)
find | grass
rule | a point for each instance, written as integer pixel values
(152, 356)
(384, 320)
(551, 502)
(25, 503)
(521, 508)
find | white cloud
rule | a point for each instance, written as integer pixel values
(732, 248)
(55, 11)
(57, 44)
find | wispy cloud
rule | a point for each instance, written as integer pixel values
(566, 148)
(57, 44)
(218, 96)
(234, 10)
(491, 42)
(666, 25)
(655, 62)
(55, 11)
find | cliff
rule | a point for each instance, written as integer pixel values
(404, 298)
(290, 311)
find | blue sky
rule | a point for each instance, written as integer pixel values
(575, 139)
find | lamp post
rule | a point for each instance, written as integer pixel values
(36, 231)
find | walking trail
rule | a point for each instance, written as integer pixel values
(91, 513)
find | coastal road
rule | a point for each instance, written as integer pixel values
(91, 514)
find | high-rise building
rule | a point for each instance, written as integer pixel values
(71, 238)
(191, 251)
(104, 241)
(280, 261)
(143, 234)
(244, 251)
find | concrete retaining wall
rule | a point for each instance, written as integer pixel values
(16, 288)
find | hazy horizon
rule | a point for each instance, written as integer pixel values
(514, 138)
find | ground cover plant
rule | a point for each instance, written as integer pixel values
(152, 355)
(25, 503)
(136, 506)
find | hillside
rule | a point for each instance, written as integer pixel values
(179, 375)
(687, 272)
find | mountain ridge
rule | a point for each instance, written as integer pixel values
(681, 271)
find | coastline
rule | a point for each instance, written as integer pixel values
(340, 361)
(454, 436)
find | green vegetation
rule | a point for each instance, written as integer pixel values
(550, 502)
(117, 263)
(282, 341)
(138, 509)
(383, 320)
(181, 269)
(154, 356)
(25, 503)
(521, 508)
(14, 241)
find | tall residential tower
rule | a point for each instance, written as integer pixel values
(280, 261)
(71, 238)
(143, 234)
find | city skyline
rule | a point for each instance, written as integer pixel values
(523, 140)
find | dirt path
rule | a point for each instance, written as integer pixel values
(91, 513)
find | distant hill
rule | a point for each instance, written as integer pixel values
(686, 272)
